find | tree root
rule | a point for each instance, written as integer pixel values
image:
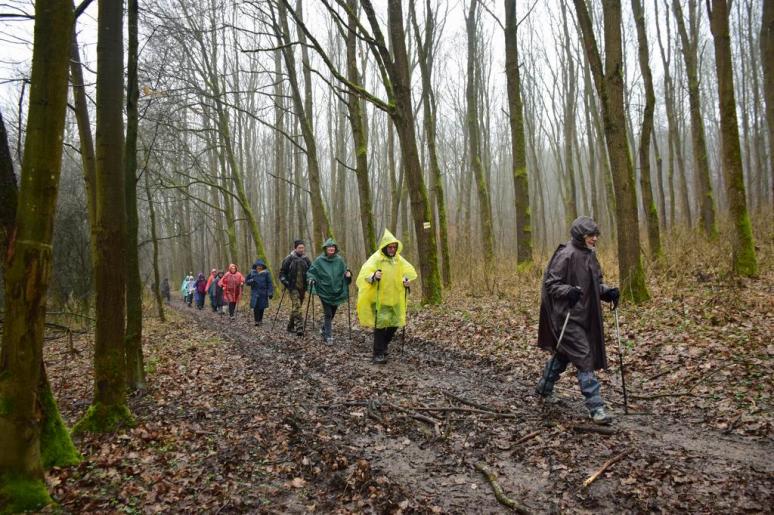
(491, 477)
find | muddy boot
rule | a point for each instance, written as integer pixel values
(600, 416)
(379, 359)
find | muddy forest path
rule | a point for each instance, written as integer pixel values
(341, 433)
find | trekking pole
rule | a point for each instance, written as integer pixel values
(306, 318)
(349, 316)
(311, 299)
(406, 292)
(376, 304)
(559, 342)
(282, 297)
(620, 359)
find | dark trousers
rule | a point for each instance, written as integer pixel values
(589, 385)
(231, 308)
(258, 314)
(382, 338)
(329, 311)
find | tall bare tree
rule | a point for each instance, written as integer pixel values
(109, 408)
(743, 246)
(426, 54)
(135, 368)
(303, 111)
(767, 50)
(610, 85)
(690, 50)
(357, 122)
(518, 144)
(474, 136)
(28, 263)
(648, 204)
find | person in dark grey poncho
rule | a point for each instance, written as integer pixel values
(573, 283)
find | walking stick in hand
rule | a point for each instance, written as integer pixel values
(620, 359)
(282, 297)
(349, 315)
(306, 318)
(559, 342)
(406, 291)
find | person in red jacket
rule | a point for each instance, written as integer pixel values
(232, 284)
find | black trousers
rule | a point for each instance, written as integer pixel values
(231, 308)
(382, 338)
(258, 314)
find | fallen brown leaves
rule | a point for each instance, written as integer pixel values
(239, 419)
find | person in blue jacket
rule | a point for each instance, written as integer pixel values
(261, 289)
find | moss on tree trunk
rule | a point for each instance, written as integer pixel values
(24, 406)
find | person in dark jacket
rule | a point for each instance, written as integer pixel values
(218, 293)
(329, 278)
(572, 285)
(261, 289)
(293, 278)
(201, 290)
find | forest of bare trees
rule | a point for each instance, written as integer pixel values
(262, 122)
(215, 132)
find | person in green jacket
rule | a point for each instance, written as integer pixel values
(329, 279)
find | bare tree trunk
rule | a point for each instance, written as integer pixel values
(518, 143)
(8, 193)
(426, 53)
(648, 204)
(609, 84)
(280, 186)
(743, 247)
(698, 138)
(767, 50)
(402, 115)
(476, 163)
(359, 135)
(304, 113)
(569, 85)
(155, 242)
(28, 268)
(109, 409)
(135, 368)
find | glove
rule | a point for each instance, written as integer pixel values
(271, 296)
(613, 295)
(574, 295)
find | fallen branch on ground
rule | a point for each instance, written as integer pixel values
(593, 477)
(491, 477)
(523, 439)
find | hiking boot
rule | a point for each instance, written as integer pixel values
(329, 341)
(299, 333)
(548, 398)
(600, 416)
(379, 359)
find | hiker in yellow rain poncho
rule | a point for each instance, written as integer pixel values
(381, 301)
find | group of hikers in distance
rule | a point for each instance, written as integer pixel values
(570, 324)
